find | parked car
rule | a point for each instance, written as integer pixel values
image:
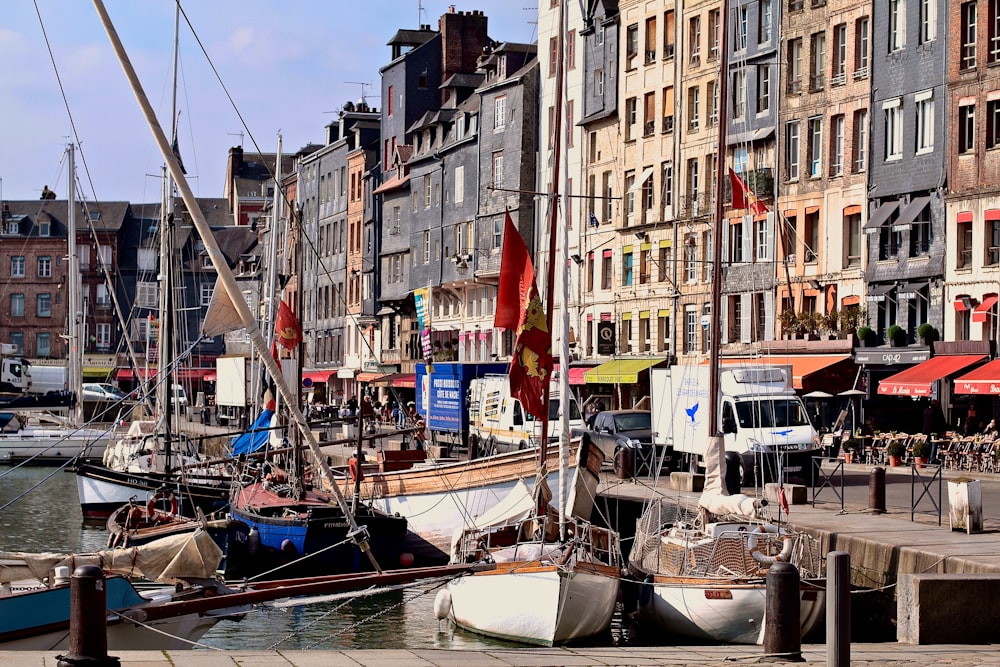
(101, 391)
(614, 430)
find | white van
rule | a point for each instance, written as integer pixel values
(499, 423)
(47, 378)
(179, 399)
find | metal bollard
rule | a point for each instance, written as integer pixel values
(838, 609)
(876, 490)
(88, 620)
(782, 618)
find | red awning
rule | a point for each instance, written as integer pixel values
(803, 365)
(367, 377)
(182, 373)
(917, 380)
(127, 374)
(210, 377)
(317, 376)
(402, 380)
(982, 310)
(576, 374)
(983, 380)
(961, 303)
(194, 373)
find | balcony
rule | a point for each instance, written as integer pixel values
(692, 206)
(838, 79)
(759, 181)
(860, 73)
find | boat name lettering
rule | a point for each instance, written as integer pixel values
(335, 524)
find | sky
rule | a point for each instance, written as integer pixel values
(288, 65)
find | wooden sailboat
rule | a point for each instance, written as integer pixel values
(557, 577)
(704, 574)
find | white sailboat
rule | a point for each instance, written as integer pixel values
(704, 574)
(45, 436)
(557, 576)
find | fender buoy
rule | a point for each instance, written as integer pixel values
(151, 512)
(762, 549)
(355, 469)
(442, 604)
(406, 559)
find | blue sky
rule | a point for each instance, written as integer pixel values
(284, 62)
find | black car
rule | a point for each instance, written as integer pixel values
(613, 430)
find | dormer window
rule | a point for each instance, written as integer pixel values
(44, 227)
(502, 67)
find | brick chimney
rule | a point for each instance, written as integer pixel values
(463, 37)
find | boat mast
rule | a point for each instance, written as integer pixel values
(715, 321)
(227, 279)
(74, 316)
(562, 261)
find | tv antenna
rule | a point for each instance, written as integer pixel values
(362, 84)
(237, 134)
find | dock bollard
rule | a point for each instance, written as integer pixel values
(876, 490)
(838, 609)
(782, 618)
(88, 620)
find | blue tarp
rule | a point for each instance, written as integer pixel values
(256, 437)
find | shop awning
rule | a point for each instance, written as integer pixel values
(181, 374)
(881, 215)
(983, 380)
(317, 376)
(368, 377)
(96, 371)
(619, 371)
(803, 365)
(577, 374)
(910, 212)
(401, 380)
(210, 377)
(981, 312)
(917, 380)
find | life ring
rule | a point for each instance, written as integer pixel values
(355, 469)
(151, 513)
(761, 549)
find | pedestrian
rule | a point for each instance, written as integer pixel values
(419, 435)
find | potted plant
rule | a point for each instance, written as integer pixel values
(896, 450)
(921, 452)
(788, 323)
(895, 335)
(927, 333)
(850, 448)
(865, 334)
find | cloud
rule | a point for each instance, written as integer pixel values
(241, 38)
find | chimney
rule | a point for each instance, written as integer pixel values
(463, 36)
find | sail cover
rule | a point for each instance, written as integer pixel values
(256, 437)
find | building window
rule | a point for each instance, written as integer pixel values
(967, 37)
(43, 345)
(668, 109)
(837, 145)
(714, 30)
(17, 340)
(993, 26)
(763, 88)
(668, 35)
(571, 49)
(17, 266)
(694, 102)
(498, 169)
(736, 240)
(763, 239)
(795, 65)
(893, 129)
(964, 246)
(103, 336)
(861, 55)
(44, 305)
(839, 55)
(631, 45)
(811, 237)
(664, 262)
(928, 20)
(993, 242)
(739, 94)
(45, 267)
(740, 28)
(651, 40)
(693, 185)
(631, 118)
(103, 296)
(44, 227)
(627, 269)
(897, 25)
(690, 260)
(609, 201)
(146, 294)
(920, 233)
(17, 305)
(427, 191)
(924, 103)
(815, 147)
(606, 270)
(992, 123)
(852, 239)
(764, 21)
(668, 185)
(792, 149)
(818, 45)
(690, 329)
(860, 142)
(630, 196)
(694, 38)
(499, 113)
(459, 186)
(590, 272)
(649, 115)
(389, 103)
(966, 128)
(427, 247)
(663, 332)
(206, 294)
(599, 82)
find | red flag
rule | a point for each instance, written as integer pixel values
(743, 197)
(287, 331)
(519, 307)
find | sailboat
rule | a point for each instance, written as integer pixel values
(43, 436)
(704, 573)
(558, 576)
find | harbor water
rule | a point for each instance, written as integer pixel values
(40, 511)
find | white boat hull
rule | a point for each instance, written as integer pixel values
(535, 604)
(53, 444)
(727, 612)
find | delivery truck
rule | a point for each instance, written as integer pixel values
(760, 417)
(499, 423)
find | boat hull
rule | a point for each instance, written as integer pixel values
(437, 501)
(730, 611)
(45, 446)
(536, 603)
(103, 490)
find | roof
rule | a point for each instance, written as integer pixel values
(103, 216)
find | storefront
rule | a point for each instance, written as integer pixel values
(886, 413)
(622, 383)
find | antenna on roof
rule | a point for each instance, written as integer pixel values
(237, 134)
(420, 12)
(362, 99)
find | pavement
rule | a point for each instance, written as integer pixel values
(863, 654)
